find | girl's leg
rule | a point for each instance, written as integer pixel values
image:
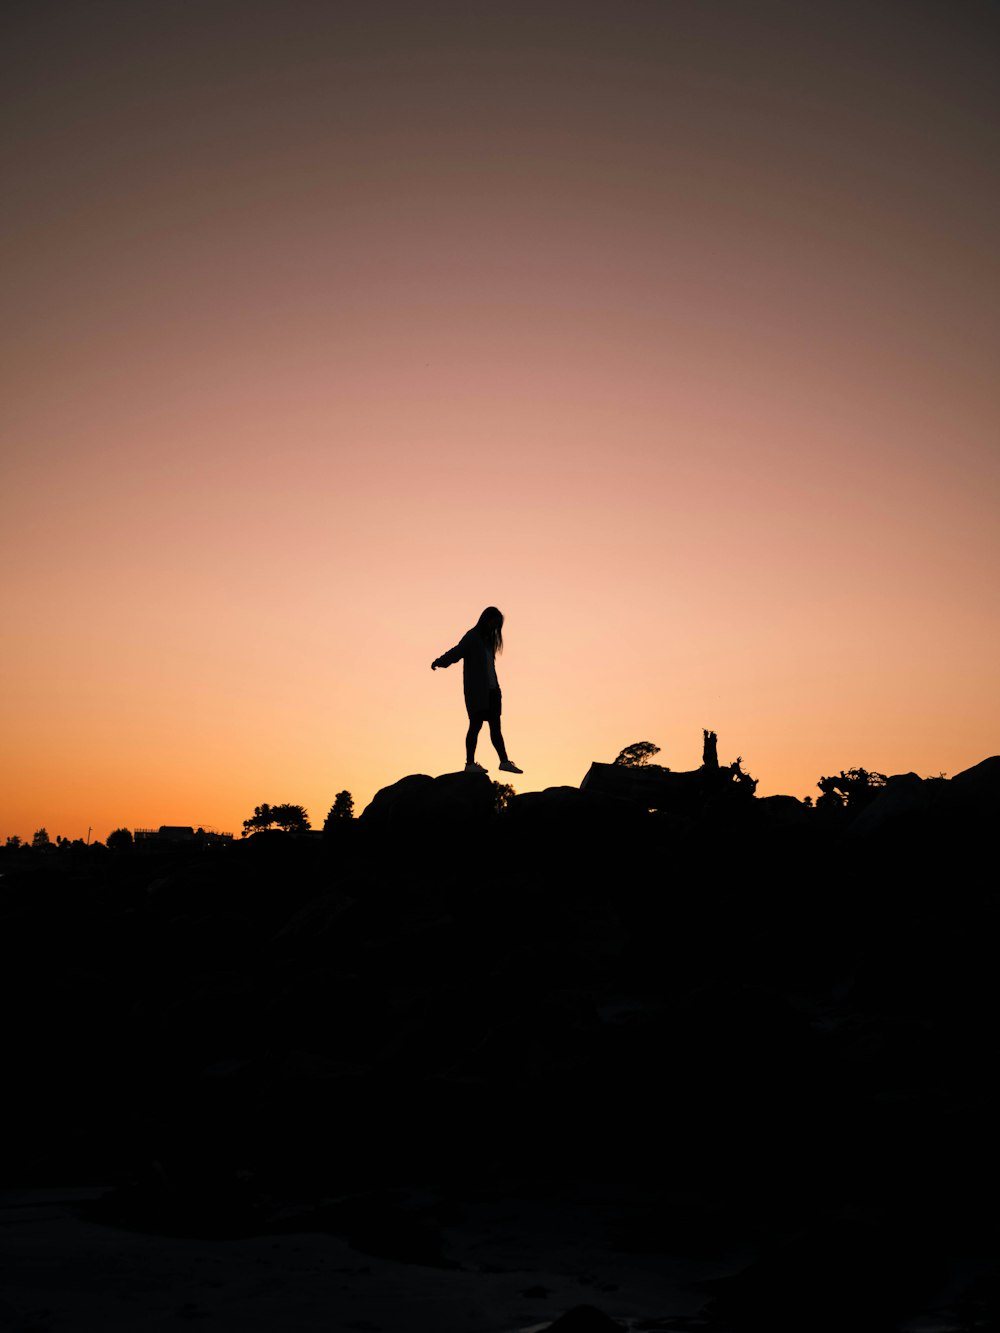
(497, 739)
(471, 736)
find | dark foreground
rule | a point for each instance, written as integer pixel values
(451, 1071)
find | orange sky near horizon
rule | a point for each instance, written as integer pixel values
(670, 329)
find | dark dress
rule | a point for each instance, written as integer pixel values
(481, 701)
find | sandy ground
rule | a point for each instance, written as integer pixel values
(515, 1263)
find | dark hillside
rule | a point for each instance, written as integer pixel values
(779, 1019)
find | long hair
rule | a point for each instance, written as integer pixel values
(489, 627)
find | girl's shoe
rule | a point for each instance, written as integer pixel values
(508, 767)
(478, 768)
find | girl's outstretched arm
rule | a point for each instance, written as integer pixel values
(449, 658)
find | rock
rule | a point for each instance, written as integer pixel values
(462, 799)
(561, 802)
(651, 787)
(375, 1224)
(272, 842)
(311, 929)
(557, 806)
(904, 794)
(983, 777)
(585, 1319)
(783, 811)
(727, 1025)
(646, 785)
(907, 802)
(388, 802)
(851, 1271)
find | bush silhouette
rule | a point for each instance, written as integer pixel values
(503, 792)
(855, 788)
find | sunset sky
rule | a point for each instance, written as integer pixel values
(670, 328)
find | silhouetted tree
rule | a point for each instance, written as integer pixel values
(291, 818)
(40, 838)
(13, 842)
(503, 793)
(854, 788)
(831, 799)
(261, 818)
(709, 750)
(741, 779)
(342, 808)
(119, 838)
(635, 755)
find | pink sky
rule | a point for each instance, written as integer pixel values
(669, 329)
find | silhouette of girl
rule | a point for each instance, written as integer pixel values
(478, 649)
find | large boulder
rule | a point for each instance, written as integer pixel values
(857, 1270)
(646, 785)
(553, 801)
(783, 812)
(311, 929)
(462, 800)
(905, 795)
(978, 786)
(651, 787)
(571, 808)
(907, 800)
(585, 1319)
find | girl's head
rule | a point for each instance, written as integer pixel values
(489, 626)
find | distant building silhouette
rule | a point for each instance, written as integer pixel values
(173, 834)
